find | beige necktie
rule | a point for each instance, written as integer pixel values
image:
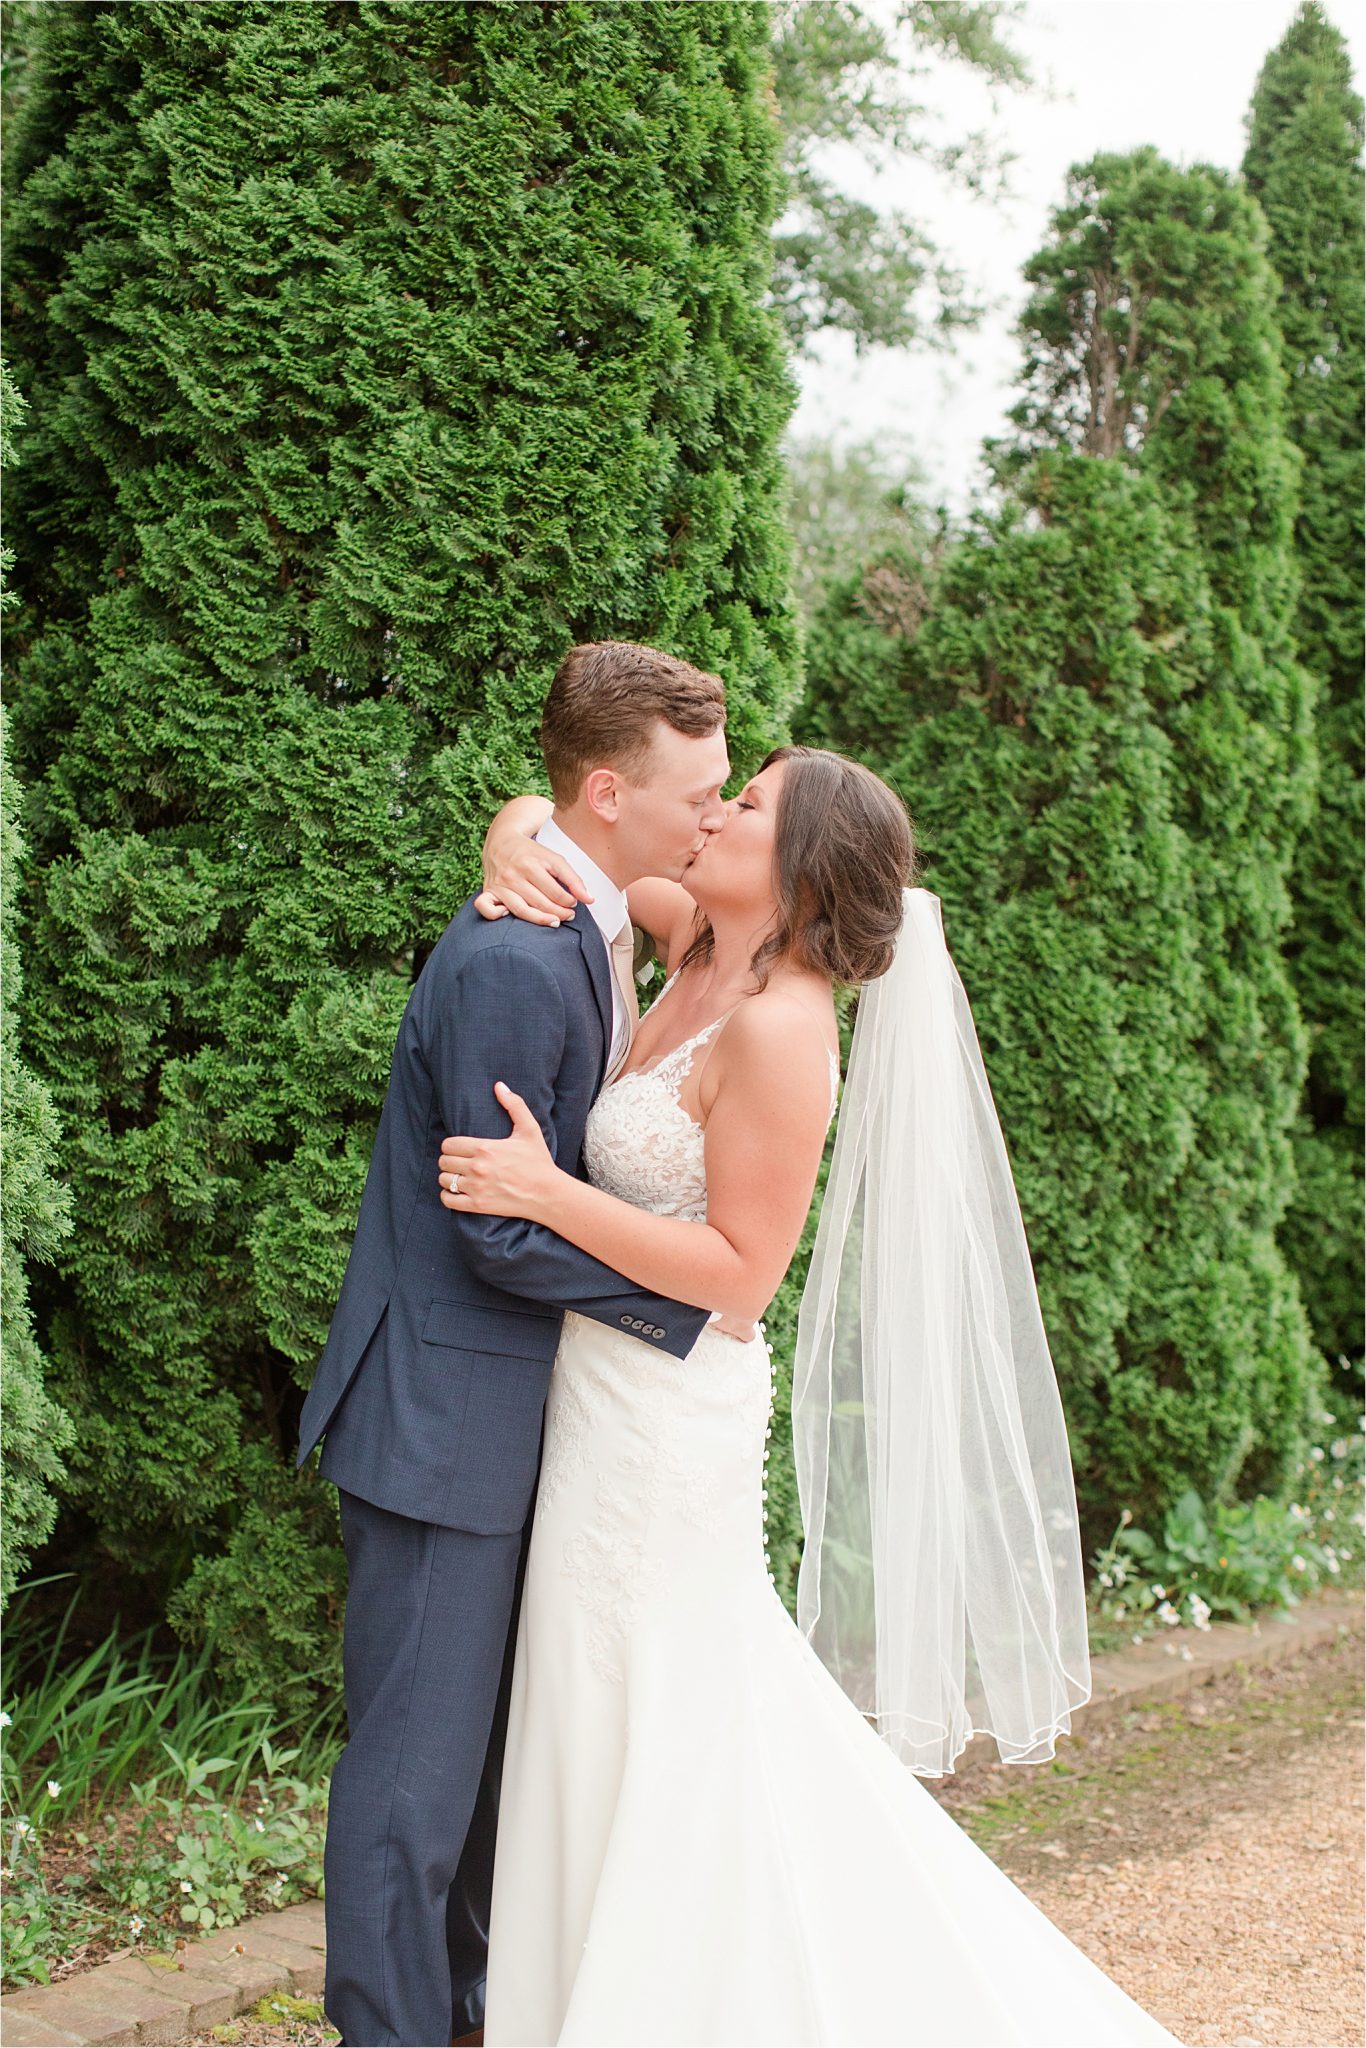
(623, 967)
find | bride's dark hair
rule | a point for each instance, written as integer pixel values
(843, 851)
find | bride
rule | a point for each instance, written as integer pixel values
(711, 1828)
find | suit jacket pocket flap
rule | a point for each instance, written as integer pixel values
(470, 1326)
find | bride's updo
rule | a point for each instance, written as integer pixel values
(843, 851)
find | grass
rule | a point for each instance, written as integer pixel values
(139, 1805)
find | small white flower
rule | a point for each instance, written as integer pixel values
(1119, 1611)
(1333, 1565)
(259, 1826)
(1128, 1513)
(1339, 1447)
(4, 1720)
(1187, 1656)
(134, 1924)
(1317, 1454)
(1298, 1562)
(1159, 1592)
(1106, 1580)
(22, 1827)
(1295, 1511)
(1135, 1639)
(185, 1885)
(1166, 1612)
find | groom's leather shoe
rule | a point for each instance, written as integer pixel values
(474, 2040)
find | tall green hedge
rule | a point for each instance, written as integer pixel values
(36, 1212)
(1151, 336)
(1094, 709)
(1304, 165)
(1019, 719)
(377, 352)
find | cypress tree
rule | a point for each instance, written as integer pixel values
(1010, 693)
(379, 352)
(1304, 165)
(1132, 994)
(1151, 338)
(36, 1214)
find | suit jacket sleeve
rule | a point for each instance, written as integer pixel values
(504, 1020)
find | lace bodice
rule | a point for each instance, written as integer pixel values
(641, 1144)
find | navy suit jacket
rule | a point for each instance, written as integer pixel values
(431, 1386)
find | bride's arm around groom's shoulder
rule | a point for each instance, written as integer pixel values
(667, 913)
(532, 882)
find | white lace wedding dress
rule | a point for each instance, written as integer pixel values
(700, 1839)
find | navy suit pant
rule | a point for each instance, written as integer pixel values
(412, 1814)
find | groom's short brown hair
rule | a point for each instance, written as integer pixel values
(605, 701)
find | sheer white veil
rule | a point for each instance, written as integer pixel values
(941, 1582)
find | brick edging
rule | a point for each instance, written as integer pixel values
(132, 1999)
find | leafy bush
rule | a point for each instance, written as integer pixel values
(137, 1800)
(1231, 1559)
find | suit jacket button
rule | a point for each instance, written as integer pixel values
(626, 1322)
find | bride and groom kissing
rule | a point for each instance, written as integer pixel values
(598, 1786)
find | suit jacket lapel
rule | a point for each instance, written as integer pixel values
(594, 948)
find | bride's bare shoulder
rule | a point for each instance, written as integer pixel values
(785, 1034)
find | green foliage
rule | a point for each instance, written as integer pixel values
(1234, 1558)
(270, 1601)
(1019, 711)
(376, 354)
(1093, 706)
(1304, 165)
(1151, 337)
(186, 1863)
(34, 1428)
(138, 1797)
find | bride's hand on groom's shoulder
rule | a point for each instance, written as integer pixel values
(512, 1176)
(521, 877)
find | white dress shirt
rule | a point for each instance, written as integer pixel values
(608, 911)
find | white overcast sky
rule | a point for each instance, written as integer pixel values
(1175, 73)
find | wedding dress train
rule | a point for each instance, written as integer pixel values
(700, 1839)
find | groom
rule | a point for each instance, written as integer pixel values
(431, 1386)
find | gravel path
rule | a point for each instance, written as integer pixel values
(1206, 1853)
